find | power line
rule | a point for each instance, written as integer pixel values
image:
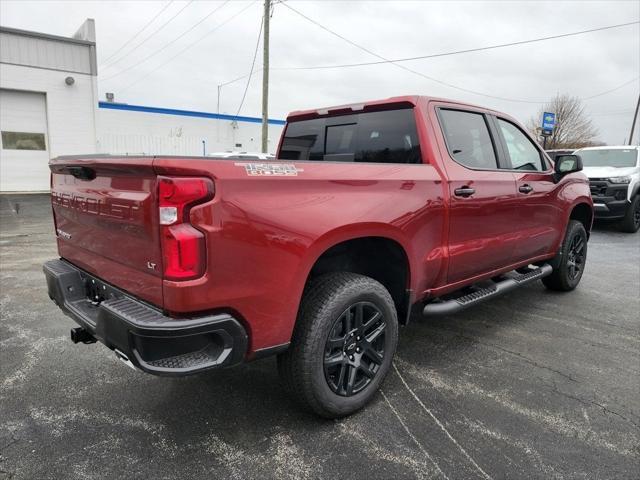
(171, 42)
(435, 55)
(385, 60)
(582, 98)
(189, 46)
(619, 112)
(253, 62)
(139, 32)
(612, 90)
(236, 79)
(152, 34)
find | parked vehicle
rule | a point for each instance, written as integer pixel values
(242, 155)
(372, 211)
(614, 177)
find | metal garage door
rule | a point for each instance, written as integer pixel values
(24, 155)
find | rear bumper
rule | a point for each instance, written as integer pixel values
(151, 341)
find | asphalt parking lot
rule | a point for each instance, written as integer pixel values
(533, 385)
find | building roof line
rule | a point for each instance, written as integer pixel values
(46, 36)
(185, 113)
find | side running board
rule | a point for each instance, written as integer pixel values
(515, 280)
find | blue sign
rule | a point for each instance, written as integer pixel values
(548, 121)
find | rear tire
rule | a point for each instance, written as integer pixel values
(631, 221)
(572, 258)
(342, 346)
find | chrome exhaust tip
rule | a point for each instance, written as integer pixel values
(124, 359)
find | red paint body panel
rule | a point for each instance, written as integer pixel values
(264, 233)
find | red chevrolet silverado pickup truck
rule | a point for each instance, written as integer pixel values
(369, 213)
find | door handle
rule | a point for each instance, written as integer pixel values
(526, 188)
(464, 191)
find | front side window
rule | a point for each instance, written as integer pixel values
(523, 153)
(389, 136)
(468, 139)
(613, 157)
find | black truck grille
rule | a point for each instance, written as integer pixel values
(598, 187)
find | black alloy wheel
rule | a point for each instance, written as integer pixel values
(354, 350)
(342, 345)
(569, 264)
(576, 256)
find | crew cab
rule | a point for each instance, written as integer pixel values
(371, 212)
(614, 177)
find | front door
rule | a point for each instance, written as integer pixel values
(539, 216)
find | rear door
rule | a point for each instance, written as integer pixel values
(539, 217)
(106, 217)
(483, 199)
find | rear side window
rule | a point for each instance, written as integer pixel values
(523, 154)
(378, 137)
(468, 139)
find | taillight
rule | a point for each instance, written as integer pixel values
(183, 246)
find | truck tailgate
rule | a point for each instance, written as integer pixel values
(105, 213)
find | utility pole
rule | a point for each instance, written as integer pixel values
(633, 124)
(265, 77)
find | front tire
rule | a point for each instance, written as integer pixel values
(572, 259)
(631, 221)
(342, 346)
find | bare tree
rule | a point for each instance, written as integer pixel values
(573, 129)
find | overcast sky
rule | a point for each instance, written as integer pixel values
(583, 65)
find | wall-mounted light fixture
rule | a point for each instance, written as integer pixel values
(69, 81)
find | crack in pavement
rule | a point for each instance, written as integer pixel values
(442, 427)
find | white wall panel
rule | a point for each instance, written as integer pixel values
(131, 132)
(44, 53)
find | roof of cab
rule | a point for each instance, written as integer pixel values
(373, 104)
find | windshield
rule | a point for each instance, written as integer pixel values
(617, 157)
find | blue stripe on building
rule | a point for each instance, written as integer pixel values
(184, 113)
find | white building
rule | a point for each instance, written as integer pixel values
(48, 102)
(135, 129)
(49, 107)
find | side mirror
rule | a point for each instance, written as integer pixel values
(565, 164)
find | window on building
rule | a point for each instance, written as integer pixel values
(468, 139)
(23, 141)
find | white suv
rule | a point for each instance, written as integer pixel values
(614, 175)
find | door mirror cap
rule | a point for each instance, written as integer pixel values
(565, 164)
